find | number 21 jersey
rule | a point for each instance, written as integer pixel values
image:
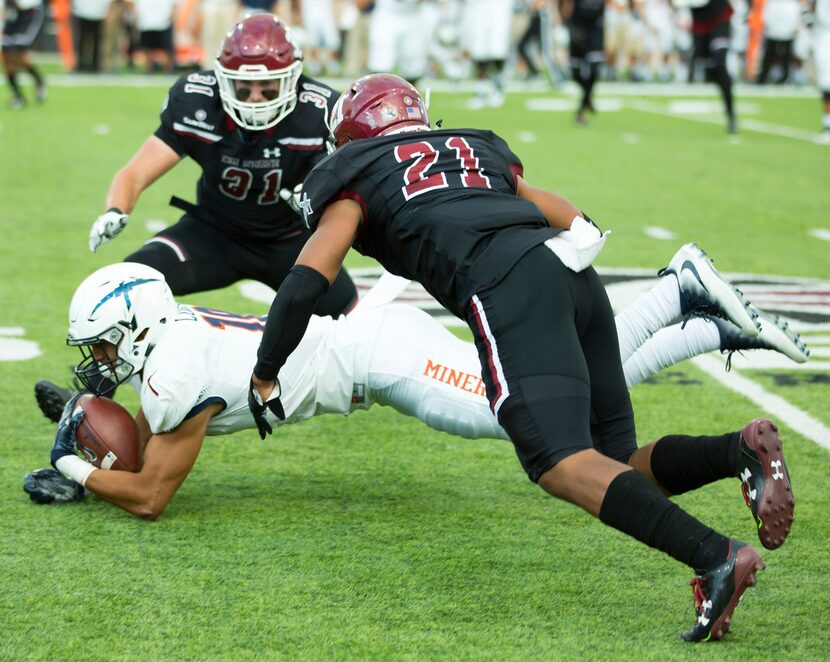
(439, 207)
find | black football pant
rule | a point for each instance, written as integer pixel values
(550, 357)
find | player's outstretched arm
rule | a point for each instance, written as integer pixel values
(151, 161)
(315, 269)
(168, 459)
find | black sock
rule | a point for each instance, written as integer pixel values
(635, 506)
(14, 85)
(681, 463)
(724, 82)
(34, 73)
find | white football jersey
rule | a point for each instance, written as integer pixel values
(208, 355)
(390, 355)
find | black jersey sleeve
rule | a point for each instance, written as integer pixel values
(323, 97)
(514, 163)
(330, 176)
(191, 112)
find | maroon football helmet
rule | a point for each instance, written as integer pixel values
(377, 105)
(259, 48)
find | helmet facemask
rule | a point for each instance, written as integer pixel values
(258, 116)
(92, 372)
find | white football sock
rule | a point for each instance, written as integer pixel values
(669, 346)
(649, 313)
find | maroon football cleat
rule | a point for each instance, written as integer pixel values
(765, 481)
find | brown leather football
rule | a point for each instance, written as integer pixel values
(108, 435)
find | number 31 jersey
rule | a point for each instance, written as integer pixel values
(243, 171)
(439, 207)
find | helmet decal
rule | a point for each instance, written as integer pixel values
(123, 289)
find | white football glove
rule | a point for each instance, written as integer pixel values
(578, 247)
(106, 227)
(292, 197)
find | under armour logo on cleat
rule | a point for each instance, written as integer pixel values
(745, 476)
(776, 464)
(703, 619)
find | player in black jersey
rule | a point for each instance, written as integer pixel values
(451, 209)
(22, 24)
(256, 126)
(584, 19)
(711, 33)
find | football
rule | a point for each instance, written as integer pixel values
(108, 435)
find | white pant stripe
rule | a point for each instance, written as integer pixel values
(501, 383)
(172, 245)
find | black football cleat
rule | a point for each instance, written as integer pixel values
(51, 399)
(765, 481)
(717, 592)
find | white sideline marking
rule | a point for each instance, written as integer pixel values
(706, 107)
(656, 232)
(789, 414)
(11, 331)
(743, 123)
(821, 233)
(558, 104)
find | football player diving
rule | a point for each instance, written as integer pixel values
(255, 125)
(191, 365)
(451, 209)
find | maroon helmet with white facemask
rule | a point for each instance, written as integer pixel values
(377, 105)
(259, 49)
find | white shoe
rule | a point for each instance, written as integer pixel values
(704, 292)
(775, 334)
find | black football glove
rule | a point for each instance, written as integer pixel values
(50, 486)
(258, 407)
(291, 197)
(65, 442)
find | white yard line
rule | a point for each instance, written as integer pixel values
(776, 406)
(743, 123)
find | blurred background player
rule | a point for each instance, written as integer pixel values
(781, 23)
(89, 18)
(530, 43)
(400, 33)
(486, 37)
(584, 19)
(23, 20)
(322, 39)
(256, 126)
(154, 20)
(216, 18)
(711, 34)
(821, 49)
(658, 42)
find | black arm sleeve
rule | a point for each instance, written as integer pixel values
(288, 318)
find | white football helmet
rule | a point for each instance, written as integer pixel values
(127, 304)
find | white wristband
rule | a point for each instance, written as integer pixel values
(74, 468)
